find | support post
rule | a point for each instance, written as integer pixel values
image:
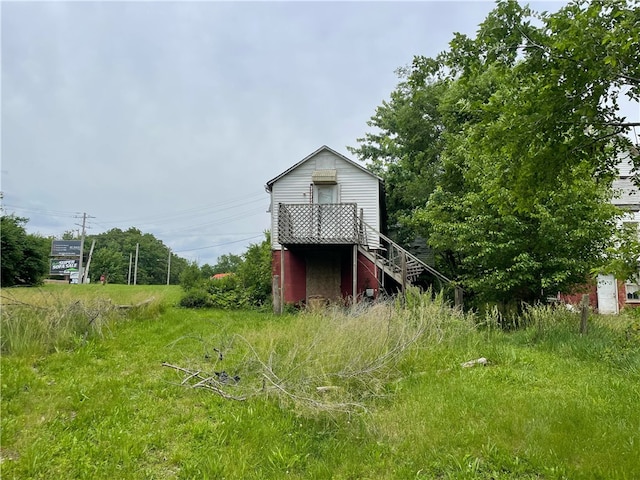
(275, 287)
(403, 263)
(80, 267)
(86, 270)
(354, 286)
(458, 299)
(282, 292)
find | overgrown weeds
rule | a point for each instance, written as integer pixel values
(45, 322)
(337, 359)
(372, 391)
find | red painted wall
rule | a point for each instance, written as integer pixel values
(592, 290)
(296, 281)
(576, 298)
(295, 275)
(366, 276)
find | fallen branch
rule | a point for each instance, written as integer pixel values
(208, 383)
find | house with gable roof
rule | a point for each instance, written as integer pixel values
(327, 240)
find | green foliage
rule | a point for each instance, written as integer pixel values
(254, 273)
(195, 297)
(191, 276)
(113, 252)
(249, 287)
(228, 263)
(501, 150)
(227, 293)
(25, 257)
(623, 256)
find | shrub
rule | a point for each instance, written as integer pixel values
(195, 298)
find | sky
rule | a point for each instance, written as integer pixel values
(171, 116)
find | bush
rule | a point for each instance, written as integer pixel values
(248, 288)
(191, 277)
(196, 298)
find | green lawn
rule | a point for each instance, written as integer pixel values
(551, 403)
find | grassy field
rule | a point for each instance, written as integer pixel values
(379, 393)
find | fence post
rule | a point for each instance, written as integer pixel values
(458, 300)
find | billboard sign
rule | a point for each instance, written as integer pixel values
(64, 267)
(65, 248)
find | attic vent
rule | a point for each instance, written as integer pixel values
(325, 177)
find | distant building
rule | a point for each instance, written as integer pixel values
(615, 294)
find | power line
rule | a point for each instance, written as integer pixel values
(50, 213)
(195, 211)
(218, 245)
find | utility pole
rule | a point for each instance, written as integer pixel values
(84, 226)
(129, 275)
(135, 270)
(93, 244)
(169, 267)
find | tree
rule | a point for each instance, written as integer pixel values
(112, 253)
(248, 287)
(228, 263)
(517, 177)
(254, 272)
(405, 149)
(25, 257)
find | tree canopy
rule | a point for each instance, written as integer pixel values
(25, 257)
(501, 150)
(114, 249)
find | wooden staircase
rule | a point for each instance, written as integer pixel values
(394, 260)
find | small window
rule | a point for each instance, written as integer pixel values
(633, 292)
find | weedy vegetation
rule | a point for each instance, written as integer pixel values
(376, 391)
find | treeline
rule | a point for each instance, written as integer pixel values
(115, 252)
(25, 256)
(501, 151)
(25, 261)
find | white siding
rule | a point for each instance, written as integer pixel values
(625, 165)
(354, 185)
(626, 194)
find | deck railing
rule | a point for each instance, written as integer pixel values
(312, 223)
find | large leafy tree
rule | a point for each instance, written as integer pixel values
(25, 257)
(522, 128)
(114, 249)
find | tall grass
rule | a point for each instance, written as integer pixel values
(40, 321)
(367, 392)
(332, 360)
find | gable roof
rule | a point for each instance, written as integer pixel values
(310, 156)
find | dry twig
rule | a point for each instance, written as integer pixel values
(208, 383)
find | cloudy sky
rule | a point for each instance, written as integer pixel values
(171, 116)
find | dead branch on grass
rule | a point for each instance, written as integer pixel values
(206, 382)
